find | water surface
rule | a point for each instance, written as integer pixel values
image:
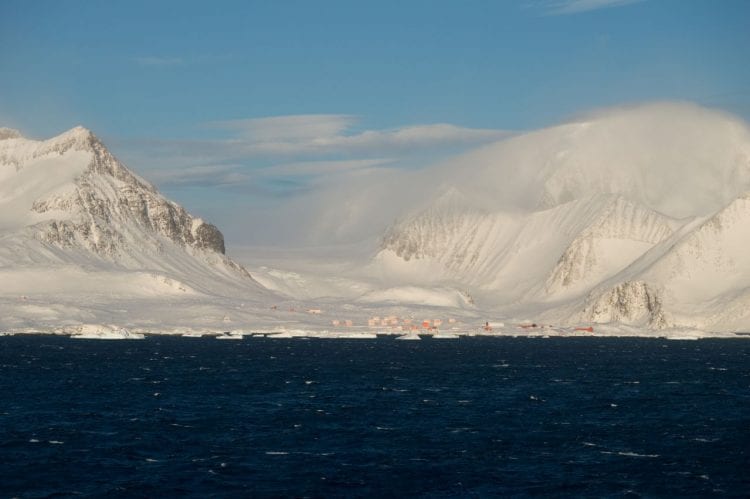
(470, 417)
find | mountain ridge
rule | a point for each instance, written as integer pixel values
(68, 207)
(565, 226)
(580, 218)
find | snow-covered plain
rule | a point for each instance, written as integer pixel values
(635, 222)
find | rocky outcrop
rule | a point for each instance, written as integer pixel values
(633, 302)
(9, 133)
(99, 239)
(207, 236)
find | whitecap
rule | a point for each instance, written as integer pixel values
(276, 453)
(629, 454)
(706, 440)
(635, 454)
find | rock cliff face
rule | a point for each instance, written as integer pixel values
(632, 302)
(107, 195)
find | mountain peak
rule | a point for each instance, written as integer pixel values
(72, 181)
(79, 130)
(79, 135)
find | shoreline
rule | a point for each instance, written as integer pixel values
(94, 332)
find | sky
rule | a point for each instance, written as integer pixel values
(241, 110)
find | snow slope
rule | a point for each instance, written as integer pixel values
(78, 228)
(88, 246)
(634, 215)
(553, 252)
(636, 218)
(700, 279)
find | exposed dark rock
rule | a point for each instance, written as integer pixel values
(207, 236)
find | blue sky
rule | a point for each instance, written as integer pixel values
(250, 102)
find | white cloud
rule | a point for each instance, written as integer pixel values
(563, 7)
(254, 144)
(329, 134)
(419, 136)
(238, 175)
(317, 168)
(301, 171)
(288, 128)
(204, 175)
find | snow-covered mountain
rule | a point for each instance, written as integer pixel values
(555, 250)
(76, 223)
(699, 277)
(635, 215)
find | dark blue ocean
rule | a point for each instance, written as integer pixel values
(473, 417)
